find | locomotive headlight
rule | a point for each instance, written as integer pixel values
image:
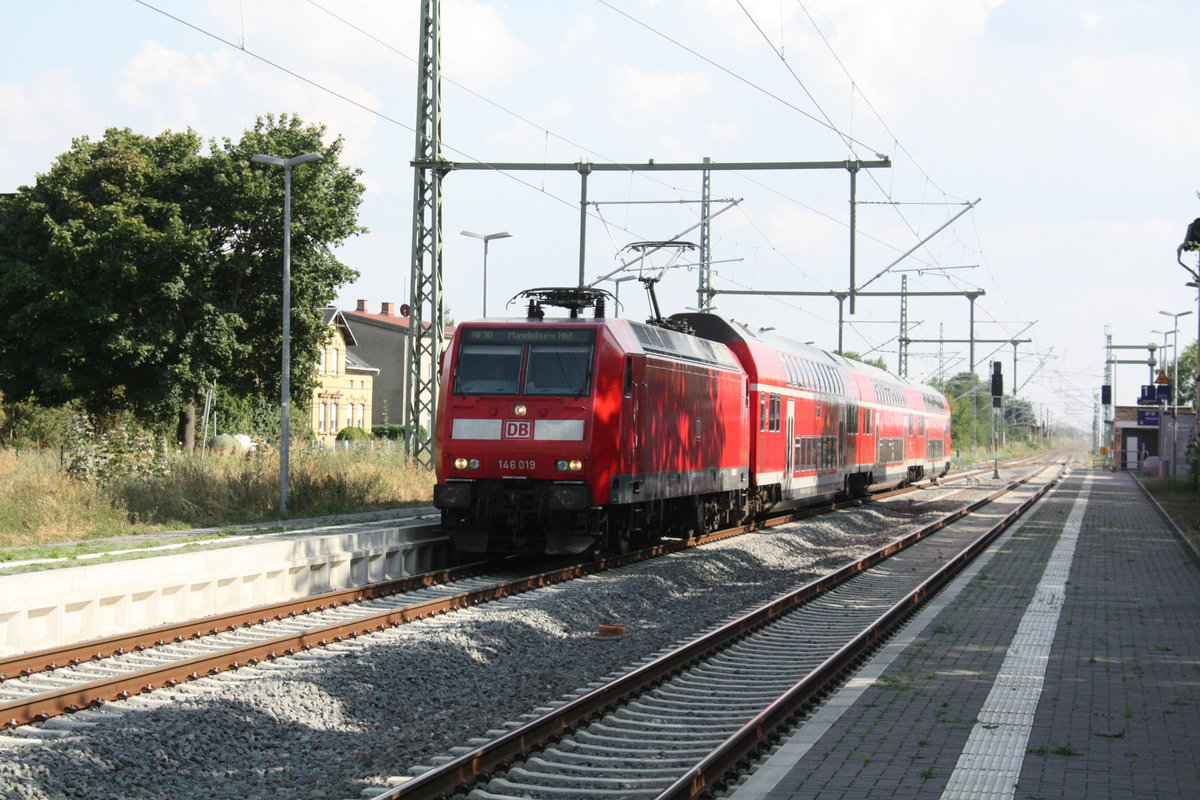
(466, 463)
(572, 465)
(520, 410)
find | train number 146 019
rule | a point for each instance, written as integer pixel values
(518, 463)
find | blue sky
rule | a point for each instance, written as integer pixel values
(1076, 123)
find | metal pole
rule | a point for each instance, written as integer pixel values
(584, 169)
(485, 249)
(285, 368)
(995, 444)
(704, 291)
(972, 299)
(841, 302)
(902, 344)
(286, 361)
(853, 228)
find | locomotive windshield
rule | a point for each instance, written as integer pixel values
(489, 369)
(558, 369)
(509, 361)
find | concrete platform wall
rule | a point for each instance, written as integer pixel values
(63, 606)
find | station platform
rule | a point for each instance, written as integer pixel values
(1065, 663)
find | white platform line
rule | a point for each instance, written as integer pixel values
(990, 762)
(779, 764)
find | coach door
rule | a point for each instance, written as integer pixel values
(789, 447)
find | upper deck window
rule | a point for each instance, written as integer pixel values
(511, 361)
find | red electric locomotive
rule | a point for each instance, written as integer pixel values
(558, 435)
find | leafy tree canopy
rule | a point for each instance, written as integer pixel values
(140, 269)
(874, 362)
(1185, 391)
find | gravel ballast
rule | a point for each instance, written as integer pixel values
(332, 722)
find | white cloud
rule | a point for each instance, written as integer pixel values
(639, 94)
(579, 32)
(220, 94)
(478, 49)
(35, 118)
(723, 131)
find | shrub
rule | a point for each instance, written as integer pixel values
(396, 432)
(353, 434)
(126, 451)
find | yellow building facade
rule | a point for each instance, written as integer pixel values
(342, 397)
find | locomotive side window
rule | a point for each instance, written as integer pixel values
(488, 368)
(558, 369)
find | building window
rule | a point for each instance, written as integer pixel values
(321, 417)
(362, 416)
(333, 367)
(333, 416)
(321, 368)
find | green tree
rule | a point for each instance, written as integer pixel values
(970, 410)
(874, 362)
(1185, 392)
(139, 269)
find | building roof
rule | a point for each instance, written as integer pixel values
(355, 363)
(337, 318)
(387, 317)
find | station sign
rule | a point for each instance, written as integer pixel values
(1155, 394)
(1148, 419)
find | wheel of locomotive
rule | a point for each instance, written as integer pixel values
(712, 515)
(619, 538)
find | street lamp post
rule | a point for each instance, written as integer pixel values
(286, 360)
(1175, 349)
(485, 238)
(1174, 381)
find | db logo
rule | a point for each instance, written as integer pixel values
(518, 429)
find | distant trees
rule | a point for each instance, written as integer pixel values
(970, 400)
(1185, 391)
(140, 269)
(874, 362)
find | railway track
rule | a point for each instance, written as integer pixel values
(39, 686)
(680, 725)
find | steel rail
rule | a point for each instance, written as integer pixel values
(25, 664)
(459, 774)
(42, 706)
(712, 772)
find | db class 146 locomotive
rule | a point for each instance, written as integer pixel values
(574, 433)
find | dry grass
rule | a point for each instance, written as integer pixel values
(1181, 500)
(40, 505)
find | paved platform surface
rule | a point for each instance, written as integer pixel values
(1065, 666)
